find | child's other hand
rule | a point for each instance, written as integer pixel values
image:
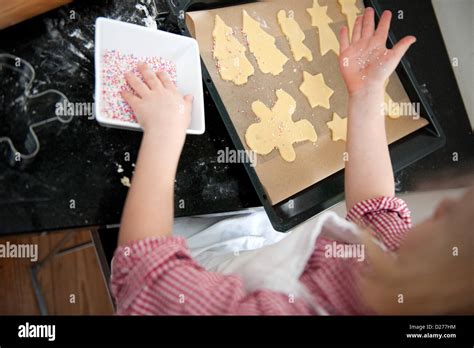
(365, 62)
(158, 106)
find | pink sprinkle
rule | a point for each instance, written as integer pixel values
(113, 81)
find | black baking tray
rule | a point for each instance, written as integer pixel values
(326, 193)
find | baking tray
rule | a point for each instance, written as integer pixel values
(326, 193)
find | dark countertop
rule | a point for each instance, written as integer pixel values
(431, 65)
(77, 164)
(79, 161)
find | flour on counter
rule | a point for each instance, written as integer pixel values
(150, 19)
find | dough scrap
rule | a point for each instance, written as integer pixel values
(351, 11)
(126, 181)
(391, 108)
(277, 129)
(269, 58)
(294, 34)
(319, 18)
(316, 90)
(338, 127)
(229, 53)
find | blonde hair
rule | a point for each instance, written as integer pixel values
(425, 276)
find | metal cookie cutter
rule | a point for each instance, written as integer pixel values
(24, 108)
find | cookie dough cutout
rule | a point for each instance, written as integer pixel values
(276, 128)
(351, 11)
(392, 109)
(316, 90)
(269, 58)
(320, 19)
(229, 53)
(338, 127)
(126, 181)
(295, 36)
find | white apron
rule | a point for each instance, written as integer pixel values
(265, 259)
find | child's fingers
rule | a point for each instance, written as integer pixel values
(130, 98)
(384, 26)
(149, 76)
(137, 85)
(165, 80)
(402, 46)
(368, 24)
(344, 39)
(356, 33)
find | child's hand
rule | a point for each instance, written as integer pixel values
(158, 106)
(366, 63)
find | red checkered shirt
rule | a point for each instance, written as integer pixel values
(157, 276)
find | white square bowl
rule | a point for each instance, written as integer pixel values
(144, 42)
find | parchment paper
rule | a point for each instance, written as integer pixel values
(314, 162)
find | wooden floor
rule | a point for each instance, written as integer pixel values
(76, 274)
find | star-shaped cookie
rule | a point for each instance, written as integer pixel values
(338, 127)
(319, 18)
(316, 90)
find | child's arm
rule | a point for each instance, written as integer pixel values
(366, 64)
(164, 115)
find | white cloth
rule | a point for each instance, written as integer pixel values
(264, 258)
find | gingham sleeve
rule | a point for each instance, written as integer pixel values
(157, 276)
(333, 281)
(388, 217)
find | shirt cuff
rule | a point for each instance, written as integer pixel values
(388, 217)
(377, 205)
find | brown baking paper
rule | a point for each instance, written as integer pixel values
(314, 162)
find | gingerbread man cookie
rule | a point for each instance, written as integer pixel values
(276, 128)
